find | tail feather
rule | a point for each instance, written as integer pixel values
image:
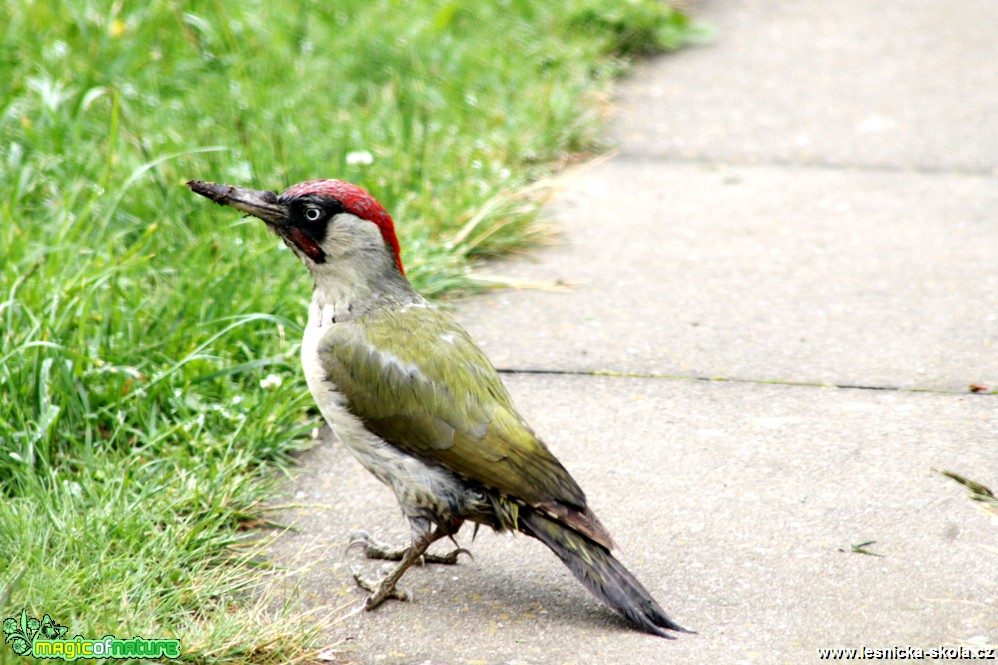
(604, 576)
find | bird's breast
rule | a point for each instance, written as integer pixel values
(424, 492)
(320, 318)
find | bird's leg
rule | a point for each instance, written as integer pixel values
(377, 550)
(386, 588)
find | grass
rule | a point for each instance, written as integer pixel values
(140, 427)
(981, 494)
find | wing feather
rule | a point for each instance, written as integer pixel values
(416, 379)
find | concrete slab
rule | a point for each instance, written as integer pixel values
(874, 85)
(737, 505)
(810, 275)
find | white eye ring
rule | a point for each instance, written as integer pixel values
(313, 214)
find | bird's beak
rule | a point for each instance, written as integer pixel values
(262, 204)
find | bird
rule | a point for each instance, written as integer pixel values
(407, 391)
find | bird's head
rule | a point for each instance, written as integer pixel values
(334, 227)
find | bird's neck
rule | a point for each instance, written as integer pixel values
(346, 290)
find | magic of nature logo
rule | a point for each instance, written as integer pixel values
(44, 638)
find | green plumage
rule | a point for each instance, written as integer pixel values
(416, 379)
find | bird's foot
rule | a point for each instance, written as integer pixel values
(381, 591)
(448, 559)
(377, 550)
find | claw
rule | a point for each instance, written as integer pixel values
(358, 538)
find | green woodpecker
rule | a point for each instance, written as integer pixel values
(408, 392)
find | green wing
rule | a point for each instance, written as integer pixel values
(415, 378)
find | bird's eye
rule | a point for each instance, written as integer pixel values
(313, 214)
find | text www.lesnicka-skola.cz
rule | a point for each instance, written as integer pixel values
(910, 653)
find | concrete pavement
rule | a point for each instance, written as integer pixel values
(810, 201)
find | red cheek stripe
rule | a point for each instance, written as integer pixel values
(307, 245)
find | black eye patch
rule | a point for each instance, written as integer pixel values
(313, 209)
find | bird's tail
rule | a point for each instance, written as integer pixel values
(604, 576)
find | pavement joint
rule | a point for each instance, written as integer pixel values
(638, 157)
(732, 379)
